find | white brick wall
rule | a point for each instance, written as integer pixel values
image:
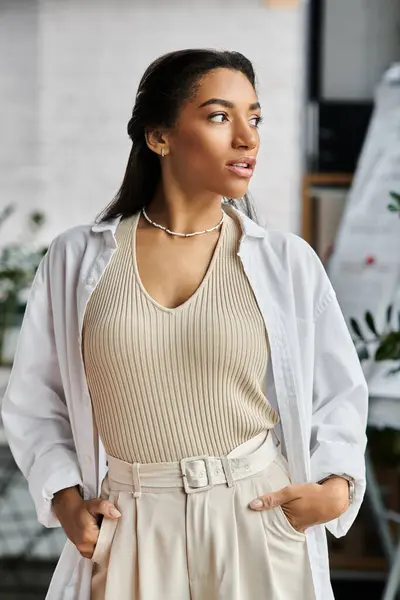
(71, 76)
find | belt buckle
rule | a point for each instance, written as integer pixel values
(191, 490)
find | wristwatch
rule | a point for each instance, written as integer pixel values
(349, 480)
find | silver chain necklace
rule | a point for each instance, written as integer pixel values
(182, 234)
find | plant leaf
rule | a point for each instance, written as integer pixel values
(356, 329)
(395, 196)
(369, 319)
(389, 311)
(384, 352)
(6, 212)
(36, 218)
(363, 353)
(389, 349)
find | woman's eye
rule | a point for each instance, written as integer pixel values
(222, 117)
(256, 121)
(218, 118)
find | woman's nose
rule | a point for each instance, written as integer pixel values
(246, 137)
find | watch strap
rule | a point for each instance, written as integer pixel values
(350, 481)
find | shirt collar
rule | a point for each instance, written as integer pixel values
(109, 225)
(249, 227)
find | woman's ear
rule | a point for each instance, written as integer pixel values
(156, 141)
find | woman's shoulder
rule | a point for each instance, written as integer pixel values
(77, 237)
(75, 246)
(292, 246)
(295, 257)
(285, 249)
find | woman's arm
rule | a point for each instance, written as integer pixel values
(34, 411)
(339, 415)
(340, 405)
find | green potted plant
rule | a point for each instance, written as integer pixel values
(18, 265)
(382, 346)
(387, 342)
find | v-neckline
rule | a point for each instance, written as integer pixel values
(203, 282)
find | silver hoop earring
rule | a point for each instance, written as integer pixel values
(162, 152)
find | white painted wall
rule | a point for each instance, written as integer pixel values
(69, 73)
(361, 40)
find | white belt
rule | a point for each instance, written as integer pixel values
(193, 474)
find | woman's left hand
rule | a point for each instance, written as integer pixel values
(308, 504)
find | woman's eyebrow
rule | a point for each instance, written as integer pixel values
(227, 103)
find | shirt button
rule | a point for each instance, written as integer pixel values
(88, 460)
(90, 281)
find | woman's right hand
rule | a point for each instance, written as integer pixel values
(80, 518)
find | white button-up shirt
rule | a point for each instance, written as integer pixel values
(314, 380)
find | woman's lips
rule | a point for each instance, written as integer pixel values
(245, 172)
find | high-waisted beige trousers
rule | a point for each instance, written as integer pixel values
(187, 533)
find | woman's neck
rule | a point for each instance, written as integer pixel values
(183, 215)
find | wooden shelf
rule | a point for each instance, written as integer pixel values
(317, 179)
(282, 3)
(357, 563)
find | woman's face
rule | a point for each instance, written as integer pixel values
(216, 129)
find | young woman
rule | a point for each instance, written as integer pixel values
(167, 349)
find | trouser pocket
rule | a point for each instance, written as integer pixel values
(274, 520)
(107, 531)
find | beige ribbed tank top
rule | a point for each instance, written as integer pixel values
(172, 383)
